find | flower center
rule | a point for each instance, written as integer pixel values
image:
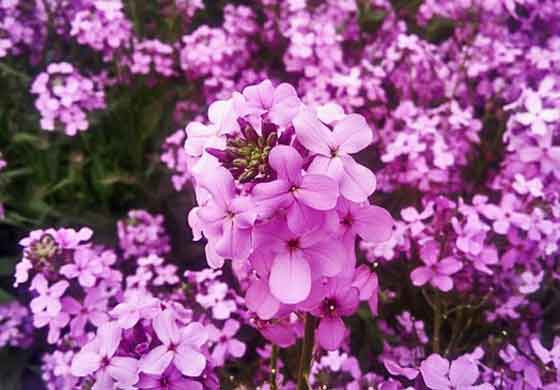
(246, 154)
(329, 307)
(43, 249)
(293, 244)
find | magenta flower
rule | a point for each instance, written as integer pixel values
(49, 297)
(332, 152)
(56, 323)
(86, 267)
(546, 154)
(395, 368)
(436, 272)
(372, 223)
(281, 103)
(225, 343)
(505, 214)
(302, 196)
(98, 358)
(258, 297)
(547, 355)
(93, 310)
(223, 120)
(179, 346)
(462, 374)
(337, 299)
(295, 256)
(170, 379)
(227, 216)
(537, 116)
(137, 304)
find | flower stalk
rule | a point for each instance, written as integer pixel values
(306, 352)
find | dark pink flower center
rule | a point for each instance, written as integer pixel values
(329, 307)
(293, 244)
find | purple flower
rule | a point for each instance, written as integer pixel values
(332, 152)
(281, 103)
(227, 217)
(170, 379)
(49, 297)
(294, 257)
(179, 346)
(337, 299)
(302, 196)
(137, 304)
(505, 214)
(435, 271)
(537, 116)
(98, 358)
(93, 310)
(86, 267)
(225, 343)
(462, 374)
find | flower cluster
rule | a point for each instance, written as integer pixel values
(176, 159)
(102, 26)
(65, 97)
(153, 350)
(142, 234)
(15, 327)
(287, 198)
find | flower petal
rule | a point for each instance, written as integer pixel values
(189, 361)
(85, 363)
(357, 181)
(318, 192)
(352, 134)
(331, 332)
(290, 278)
(373, 223)
(156, 361)
(286, 162)
(124, 370)
(311, 133)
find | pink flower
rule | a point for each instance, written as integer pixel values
(225, 343)
(294, 257)
(372, 223)
(332, 152)
(170, 379)
(227, 217)
(93, 310)
(86, 267)
(137, 304)
(56, 323)
(178, 346)
(462, 374)
(547, 356)
(49, 297)
(337, 299)
(546, 154)
(536, 116)
(281, 103)
(415, 219)
(505, 214)
(302, 196)
(436, 272)
(97, 357)
(222, 117)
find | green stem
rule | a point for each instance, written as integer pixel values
(306, 353)
(273, 367)
(437, 325)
